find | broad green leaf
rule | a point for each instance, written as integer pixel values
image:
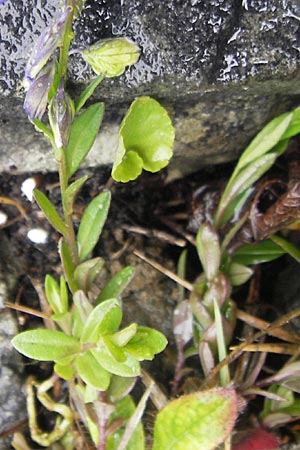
(146, 343)
(46, 345)
(92, 372)
(72, 191)
(287, 246)
(83, 134)
(116, 284)
(50, 212)
(130, 367)
(111, 56)
(91, 224)
(68, 264)
(119, 387)
(104, 319)
(88, 91)
(209, 251)
(257, 253)
(146, 140)
(124, 409)
(86, 273)
(199, 421)
(122, 337)
(266, 139)
(64, 371)
(239, 274)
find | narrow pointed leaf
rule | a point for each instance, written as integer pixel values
(186, 423)
(83, 134)
(209, 250)
(72, 191)
(89, 90)
(116, 284)
(91, 224)
(268, 137)
(46, 345)
(50, 212)
(287, 246)
(258, 253)
(52, 291)
(92, 372)
(146, 140)
(68, 264)
(104, 319)
(122, 337)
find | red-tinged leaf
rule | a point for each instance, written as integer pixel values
(188, 422)
(257, 439)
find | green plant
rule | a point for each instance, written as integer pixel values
(98, 359)
(208, 317)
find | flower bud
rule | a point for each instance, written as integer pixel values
(111, 56)
(61, 113)
(36, 99)
(48, 41)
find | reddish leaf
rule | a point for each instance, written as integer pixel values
(257, 439)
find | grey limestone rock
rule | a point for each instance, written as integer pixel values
(223, 68)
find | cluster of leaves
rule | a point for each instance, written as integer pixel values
(99, 360)
(209, 316)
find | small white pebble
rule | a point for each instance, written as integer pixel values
(3, 218)
(38, 236)
(28, 187)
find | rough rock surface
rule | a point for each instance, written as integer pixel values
(223, 68)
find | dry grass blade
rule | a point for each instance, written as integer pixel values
(281, 349)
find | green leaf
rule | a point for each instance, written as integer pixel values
(42, 128)
(50, 212)
(64, 371)
(130, 367)
(91, 224)
(86, 273)
(68, 264)
(119, 387)
(83, 134)
(111, 56)
(52, 291)
(92, 372)
(124, 409)
(64, 321)
(257, 253)
(209, 251)
(88, 91)
(294, 126)
(72, 191)
(122, 337)
(146, 140)
(116, 284)
(239, 274)
(83, 309)
(266, 139)
(146, 343)
(243, 180)
(104, 319)
(46, 345)
(287, 246)
(188, 422)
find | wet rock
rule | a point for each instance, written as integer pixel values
(222, 68)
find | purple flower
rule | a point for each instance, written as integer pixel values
(61, 113)
(36, 99)
(2, 1)
(48, 41)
